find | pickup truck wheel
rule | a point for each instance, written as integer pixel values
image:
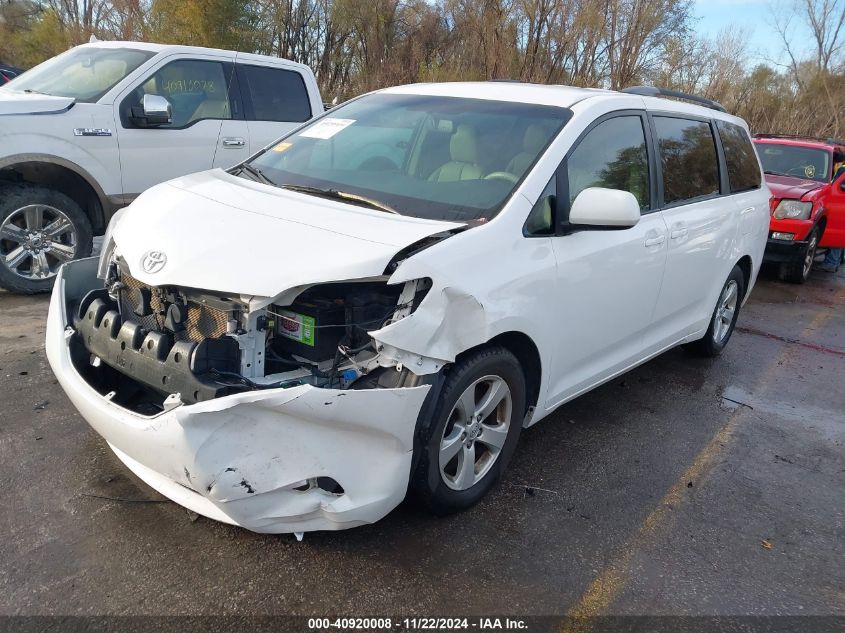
(724, 317)
(40, 229)
(467, 442)
(798, 270)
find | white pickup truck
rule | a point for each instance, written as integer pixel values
(84, 133)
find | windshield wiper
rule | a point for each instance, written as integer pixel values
(777, 173)
(256, 174)
(341, 195)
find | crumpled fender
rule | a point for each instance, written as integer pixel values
(452, 317)
(448, 321)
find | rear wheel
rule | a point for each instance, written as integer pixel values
(725, 314)
(40, 229)
(469, 439)
(798, 270)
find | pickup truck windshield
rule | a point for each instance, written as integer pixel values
(433, 157)
(792, 160)
(85, 74)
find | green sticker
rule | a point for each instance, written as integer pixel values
(298, 327)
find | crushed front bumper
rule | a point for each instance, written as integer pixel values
(240, 458)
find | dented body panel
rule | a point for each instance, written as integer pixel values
(238, 458)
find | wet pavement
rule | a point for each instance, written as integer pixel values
(688, 486)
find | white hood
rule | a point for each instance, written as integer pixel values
(14, 102)
(225, 233)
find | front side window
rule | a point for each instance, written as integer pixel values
(435, 157)
(741, 160)
(276, 94)
(196, 90)
(688, 158)
(792, 160)
(613, 155)
(84, 74)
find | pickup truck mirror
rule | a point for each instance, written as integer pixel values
(154, 110)
(602, 208)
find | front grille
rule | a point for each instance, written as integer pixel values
(201, 322)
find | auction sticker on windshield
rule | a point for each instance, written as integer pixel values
(327, 128)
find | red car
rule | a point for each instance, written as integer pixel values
(808, 210)
(7, 73)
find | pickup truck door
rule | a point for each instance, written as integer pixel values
(834, 232)
(198, 89)
(276, 100)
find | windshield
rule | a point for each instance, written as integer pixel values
(85, 73)
(442, 158)
(792, 160)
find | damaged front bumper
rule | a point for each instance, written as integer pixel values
(257, 459)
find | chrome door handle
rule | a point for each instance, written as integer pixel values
(655, 241)
(678, 233)
(233, 142)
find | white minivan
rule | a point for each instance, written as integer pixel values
(379, 302)
(84, 133)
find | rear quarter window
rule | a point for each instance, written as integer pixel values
(688, 159)
(741, 160)
(275, 94)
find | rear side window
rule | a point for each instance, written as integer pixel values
(688, 158)
(743, 168)
(276, 94)
(613, 155)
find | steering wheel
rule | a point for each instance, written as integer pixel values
(502, 175)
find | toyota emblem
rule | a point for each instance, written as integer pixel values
(153, 261)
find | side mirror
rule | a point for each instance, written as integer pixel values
(155, 110)
(842, 185)
(605, 208)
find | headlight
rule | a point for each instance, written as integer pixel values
(793, 209)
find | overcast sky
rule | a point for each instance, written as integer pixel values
(753, 16)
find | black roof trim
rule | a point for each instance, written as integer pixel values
(654, 91)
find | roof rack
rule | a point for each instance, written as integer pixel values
(654, 91)
(801, 137)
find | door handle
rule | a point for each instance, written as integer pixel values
(233, 142)
(655, 241)
(746, 211)
(678, 233)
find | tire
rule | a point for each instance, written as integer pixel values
(30, 254)
(720, 330)
(798, 270)
(469, 384)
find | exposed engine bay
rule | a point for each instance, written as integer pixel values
(148, 348)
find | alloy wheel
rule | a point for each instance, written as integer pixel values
(725, 311)
(810, 255)
(35, 240)
(475, 432)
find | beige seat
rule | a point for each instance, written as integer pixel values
(532, 142)
(209, 109)
(463, 151)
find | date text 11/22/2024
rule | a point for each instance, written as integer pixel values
(418, 624)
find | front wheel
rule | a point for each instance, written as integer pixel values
(40, 229)
(467, 442)
(725, 314)
(798, 270)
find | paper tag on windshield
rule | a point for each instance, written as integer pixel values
(326, 128)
